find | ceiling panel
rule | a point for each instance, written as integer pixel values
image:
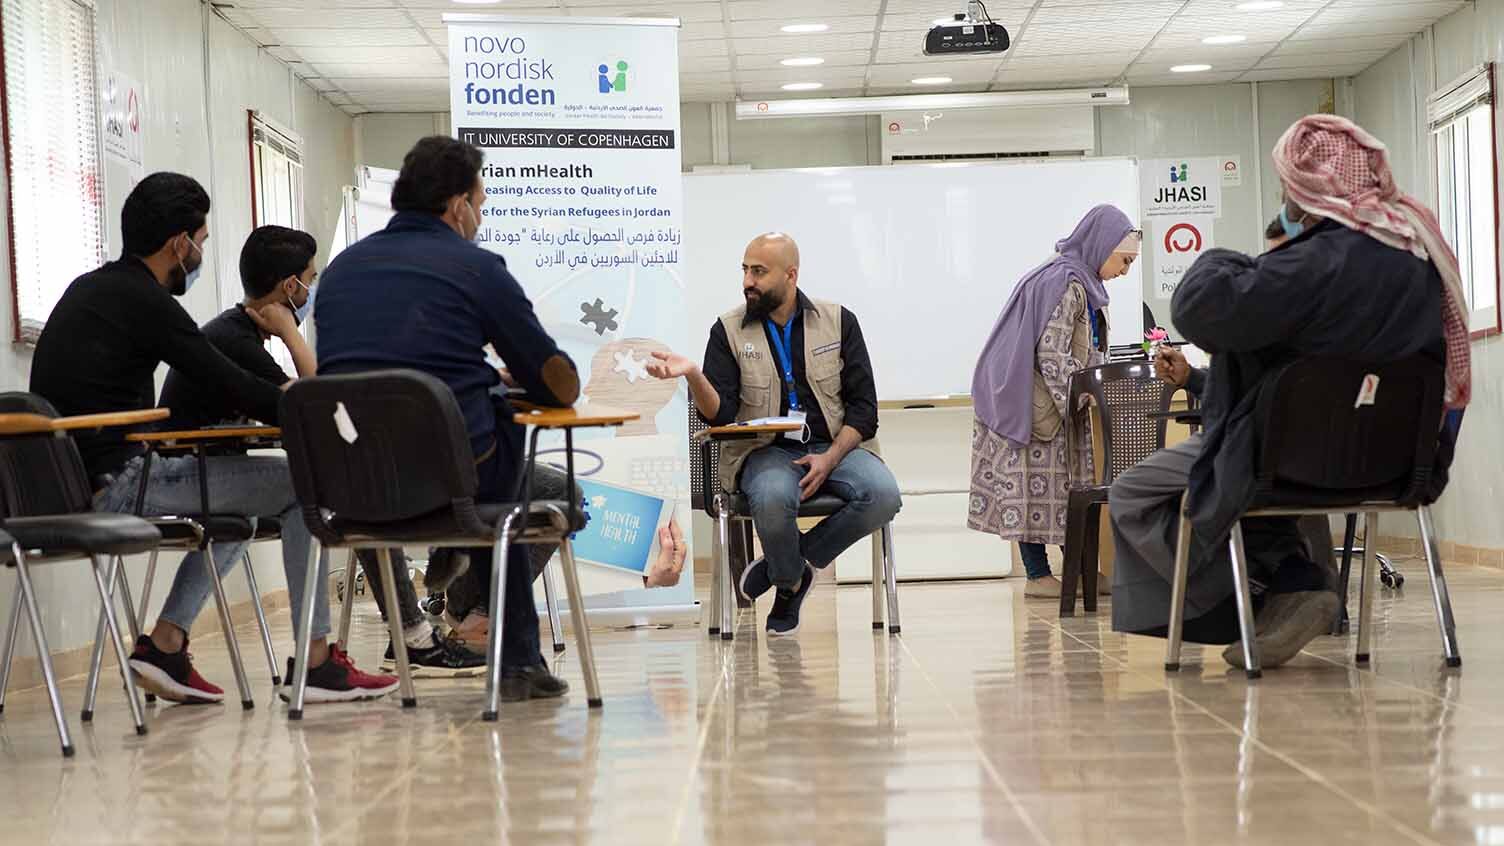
(376, 55)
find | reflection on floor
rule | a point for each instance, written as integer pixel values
(988, 720)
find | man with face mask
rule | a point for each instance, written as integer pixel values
(99, 352)
(421, 295)
(782, 353)
(277, 274)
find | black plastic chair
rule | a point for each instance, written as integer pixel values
(1124, 395)
(1324, 452)
(382, 459)
(47, 505)
(731, 507)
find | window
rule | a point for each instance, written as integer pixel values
(1462, 128)
(276, 198)
(51, 122)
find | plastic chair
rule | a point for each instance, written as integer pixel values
(1124, 395)
(382, 459)
(731, 507)
(1338, 437)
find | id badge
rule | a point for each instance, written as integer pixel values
(800, 435)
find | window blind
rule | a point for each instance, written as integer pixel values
(51, 116)
(1458, 98)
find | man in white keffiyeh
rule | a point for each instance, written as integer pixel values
(1364, 274)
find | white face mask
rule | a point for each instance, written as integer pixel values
(300, 312)
(191, 276)
(474, 220)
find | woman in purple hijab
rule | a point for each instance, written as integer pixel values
(1054, 324)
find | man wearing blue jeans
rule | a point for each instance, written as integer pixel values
(784, 354)
(103, 342)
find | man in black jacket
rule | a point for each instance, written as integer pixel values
(98, 353)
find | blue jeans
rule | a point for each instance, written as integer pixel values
(1036, 560)
(255, 486)
(770, 481)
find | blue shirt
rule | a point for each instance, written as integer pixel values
(418, 296)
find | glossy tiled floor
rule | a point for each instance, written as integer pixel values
(987, 721)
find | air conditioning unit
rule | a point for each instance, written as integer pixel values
(937, 134)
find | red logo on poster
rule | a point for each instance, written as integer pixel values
(1192, 245)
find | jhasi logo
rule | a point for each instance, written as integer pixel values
(609, 84)
(1182, 175)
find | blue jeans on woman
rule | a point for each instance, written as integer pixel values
(1036, 560)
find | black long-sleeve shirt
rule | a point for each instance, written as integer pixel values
(858, 390)
(101, 348)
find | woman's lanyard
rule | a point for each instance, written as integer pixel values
(1096, 329)
(784, 347)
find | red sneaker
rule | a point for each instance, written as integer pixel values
(170, 675)
(339, 680)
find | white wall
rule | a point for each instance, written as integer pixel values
(1390, 102)
(161, 43)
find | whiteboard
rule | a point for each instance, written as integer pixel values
(924, 255)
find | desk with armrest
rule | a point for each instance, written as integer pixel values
(189, 533)
(48, 517)
(725, 506)
(406, 496)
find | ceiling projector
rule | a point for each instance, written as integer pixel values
(970, 32)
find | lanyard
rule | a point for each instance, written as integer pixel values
(784, 348)
(1096, 331)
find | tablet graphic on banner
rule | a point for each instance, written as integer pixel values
(622, 532)
(579, 122)
(1181, 187)
(1176, 243)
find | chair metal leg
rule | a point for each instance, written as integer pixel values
(347, 602)
(877, 580)
(718, 571)
(266, 630)
(498, 614)
(107, 603)
(581, 624)
(247, 701)
(728, 597)
(13, 629)
(96, 656)
(123, 584)
(1344, 575)
(1439, 593)
(1177, 590)
(1245, 602)
(394, 625)
(555, 625)
(44, 655)
(890, 572)
(1365, 589)
(151, 573)
(299, 680)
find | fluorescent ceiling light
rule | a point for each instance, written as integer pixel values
(1224, 39)
(931, 80)
(754, 109)
(803, 86)
(1190, 68)
(797, 28)
(802, 62)
(1261, 5)
(949, 22)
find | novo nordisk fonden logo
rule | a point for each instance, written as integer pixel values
(608, 82)
(498, 60)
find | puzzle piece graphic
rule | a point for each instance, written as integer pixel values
(597, 314)
(598, 501)
(627, 362)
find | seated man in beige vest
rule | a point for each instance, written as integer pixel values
(783, 353)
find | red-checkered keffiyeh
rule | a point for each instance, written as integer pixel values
(1334, 169)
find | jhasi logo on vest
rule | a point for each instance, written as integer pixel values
(608, 84)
